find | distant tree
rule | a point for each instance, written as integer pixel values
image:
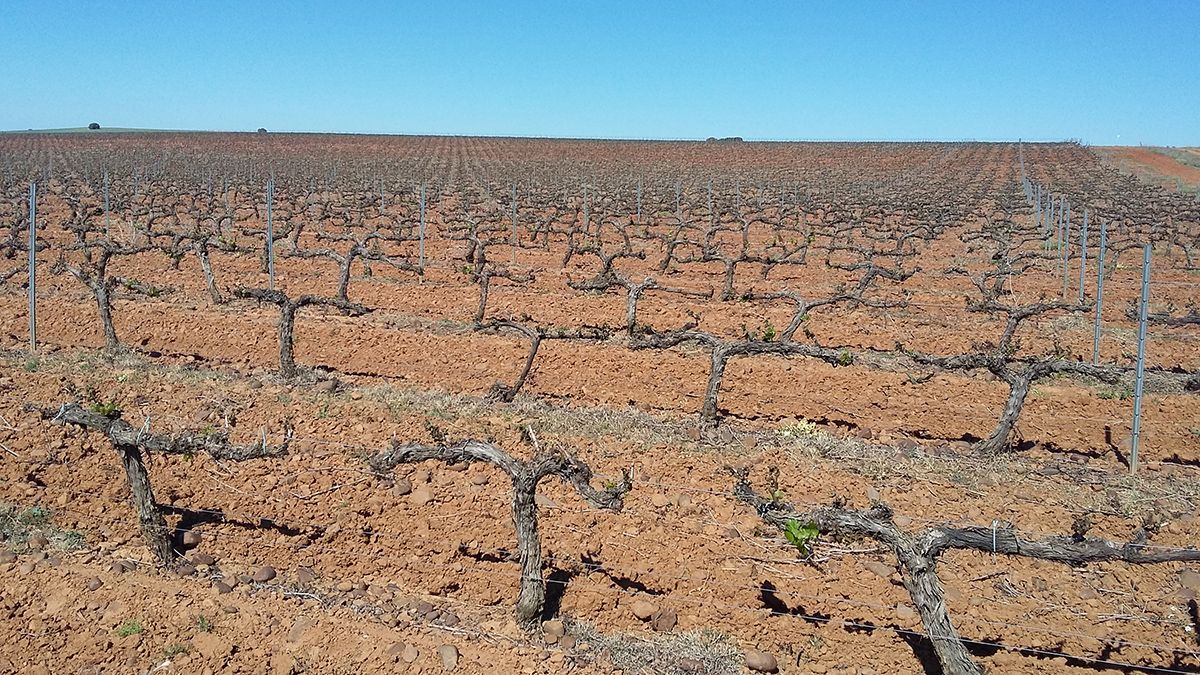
(94, 126)
(262, 130)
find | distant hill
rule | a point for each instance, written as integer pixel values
(85, 130)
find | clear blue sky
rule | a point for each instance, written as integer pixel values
(1105, 72)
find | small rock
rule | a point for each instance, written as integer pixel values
(659, 500)
(449, 656)
(402, 487)
(25, 568)
(761, 662)
(567, 643)
(185, 569)
(554, 630)
(690, 665)
(191, 538)
(905, 613)
(38, 541)
(222, 587)
(884, 570)
(480, 479)
(305, 576)
(325, 387)
(203, 559)
(264, 574)
(1190, 579)
(94, 583)
(693, 433)
(544, 501)
(725, 434)
(410, 654)
(664, 620)
(643, 609)
(7, 557)
(356, 395)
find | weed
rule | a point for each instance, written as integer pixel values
(107, 408)
(801, 536)
(31, 364)
(130, 627)
(768, 332)
(613, 486)
(764, 333)
(72, 540)
(18, 524)
(800, 429)
(203, 624)
(845, 358)
(1113, 393)
(34, 516)
(174, 650)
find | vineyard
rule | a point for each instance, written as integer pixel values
(347, 403)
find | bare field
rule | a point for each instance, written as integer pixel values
(847, 326)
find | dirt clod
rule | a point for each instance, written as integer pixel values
(643, 609)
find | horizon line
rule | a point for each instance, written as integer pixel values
(645, 139)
